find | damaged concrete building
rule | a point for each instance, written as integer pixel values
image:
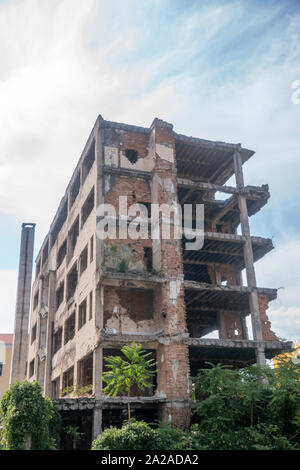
(92, 296)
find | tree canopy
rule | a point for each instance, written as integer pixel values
(27, 418)
(135, 368)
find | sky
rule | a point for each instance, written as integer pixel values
(220, 70)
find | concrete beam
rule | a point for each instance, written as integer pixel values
(251, 192)
(283, 346)
(192, 285)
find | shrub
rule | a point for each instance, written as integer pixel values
(258, 437)
(172, 439)
(27, 418)
(138, 435)
(123, 266)
(284, 407)
(238, 411)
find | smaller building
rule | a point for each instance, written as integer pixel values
(6, 342)
(294, 355)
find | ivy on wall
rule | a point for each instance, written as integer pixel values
(28, 419)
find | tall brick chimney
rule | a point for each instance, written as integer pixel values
(19, 353)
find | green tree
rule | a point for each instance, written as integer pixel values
(285, 403)
(27, 418)
(237, 411)
(136, 369)
(216, 389)
(254, 396)
(75, 435)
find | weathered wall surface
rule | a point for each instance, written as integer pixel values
(118, 141)
(128, 250)
(85, 338)
(129, 311)
(231, 325)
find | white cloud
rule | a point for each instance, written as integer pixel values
(53, 84)
(65, 61)
(280, 269)
(286, 322)
(52, 88)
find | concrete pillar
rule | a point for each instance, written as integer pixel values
(97, 421)
(248, 255)
(222, 325)
(244, 328)
(97, 388)
(99, 292)
(99, 149)
(38, 365)
(97, 372)
(51, 303)
(19, 353)
(261, 361)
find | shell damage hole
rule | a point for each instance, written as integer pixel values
(132, 155)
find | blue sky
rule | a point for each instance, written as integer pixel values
(220, 70)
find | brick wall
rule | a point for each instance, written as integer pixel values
(231, 325)
(173, 358)
(129, 310)
(268, 334)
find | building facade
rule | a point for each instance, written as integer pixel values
(6, 343)
(91, 295)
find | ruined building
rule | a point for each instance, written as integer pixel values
(92, 296)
